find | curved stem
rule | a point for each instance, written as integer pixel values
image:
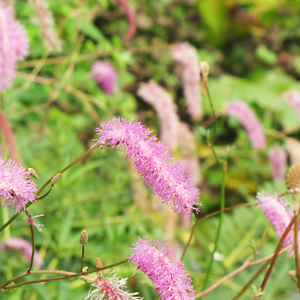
(4, 286)
(218, 230)
(33, 249)
(213, 112)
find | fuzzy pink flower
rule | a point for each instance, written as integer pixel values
(167, 272)
(105, 75)
(153, 161)
(46, 23)
(16, 187)
(165, 108)
(278, 159)
(110, 288)
(241, 111)
(131, 19)
(275, 209)
(13, 46)
(15, 244)
(187, 56)
(293, 99)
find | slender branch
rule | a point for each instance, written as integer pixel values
(218, 230)
(246, 286)
(296, 250)
(82, 259)
(45, 195)
(32, 243)
(208, 216)
(4, 286)
(280, 244)
(245, 265)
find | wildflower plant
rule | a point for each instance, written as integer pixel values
(122, 237)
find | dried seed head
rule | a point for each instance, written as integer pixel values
(33, 173)
(99, 265)
(292, 177)
(55, 178)
(83, 237)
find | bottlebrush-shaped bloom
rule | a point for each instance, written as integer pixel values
(241, 111)
(293, 99)
(105, 75)
(46, 22)
(167, 272)
(187, 56)
(16, 187)
(131, 19)
(153, 161)
(15, 244)
(278, 159)
(13, 46)
(165, 108)
(276, 210)
(110, 288)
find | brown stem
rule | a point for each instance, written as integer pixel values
(280, 244)
(82, 259)
(32, 242)
(296, 251)
(69, 275)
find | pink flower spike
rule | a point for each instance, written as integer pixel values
(278, 159)
(15, 244)
(275, 209)
(153, 161)
(131, 19)
(167, 272)
(105, 75)
(293, 99)
(187, 56)
(165, 108)
(16, 187)
(110, 288)
(13, 46)
(241, 111)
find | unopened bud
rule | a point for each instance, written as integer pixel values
(292, 273)
(292, 177)
(55, 178)
(33, 173)
(204, 68)
(99, 265)
(83, 237)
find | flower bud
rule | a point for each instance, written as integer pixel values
(292, 177)
(55, 178)
(33, 173)
(83, 237)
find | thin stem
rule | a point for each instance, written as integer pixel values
(245, 265)
(82, 156)
(82, 259)
(241, 292)
(286, 232)
(218, 230)
(206, 217)
(68, 275)
(296, 251)
(213, 112)
(33, 247)
(45, 195)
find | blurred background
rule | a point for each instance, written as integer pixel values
(55, 104)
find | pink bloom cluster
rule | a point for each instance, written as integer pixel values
(131, 19)
(241, 111)
(293, 99)
(13, 46)
(153, 161)
(16, 187)
(163, 104)
(187, 56)
(110, 288)
(105, 75)
(15, 244)
(167, 272)
(278, 159)
(275, 209)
